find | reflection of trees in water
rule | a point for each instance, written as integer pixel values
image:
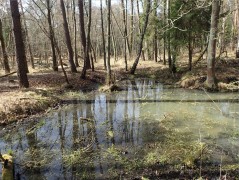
(62, 141)
(127, 122)
(129, 115)
(75, 138)
(97, 145)
(110, 120)
(83, 135)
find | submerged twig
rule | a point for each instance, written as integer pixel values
(212, 100)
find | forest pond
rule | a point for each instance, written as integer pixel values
(99, 136)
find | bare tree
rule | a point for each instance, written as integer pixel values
(20, 47)
(140, 46)
(27, 37)
(102, 33)
(131, 27)
(155, 32)
(164, 34)
(75, 34)
(108, 79)
(52, 36)
(87, 48)
(169, 35)
(68, 38)
(124, 12)
(211, 79)
(237, 50)
(4, 52)
(83, 38)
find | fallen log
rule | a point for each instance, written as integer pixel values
(8, 74)
(200, 56)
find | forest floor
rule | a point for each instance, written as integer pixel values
(47, 88)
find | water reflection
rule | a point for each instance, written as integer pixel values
(72, 142)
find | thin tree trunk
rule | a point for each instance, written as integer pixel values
(137, 3)
(125, 34)
(169, 37)
(108, 79)
(126, 25)
(211, 79)
(88, 40)
(155, 33)
(75, 34)
(20, 47)
(164, 35)
(131, 28)
(68, 38)
(148, 2)
(92, 60)
(52, 36)
(4, 52)
(61, 62)
(114, 43)
(155, 48)
(102, 33)
(94, 53)
(237, 50)
(190, 51)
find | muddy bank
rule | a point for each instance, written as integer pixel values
(22, 104)
(227, 76)
(46, 91)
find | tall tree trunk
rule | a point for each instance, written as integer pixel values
(87, 47)
(169, 37)
(93, 51)
(20, 47)
(52, 36)
(68, 38)
(126, 25)
(164, 34)
(114, 43)
(125, 34)
(83, 39)
(4, 52)
(102, 33)
(108, 79)
(27, 37)
(88, 40)
(92, 60)
(138, 12)
(190, 50)
(155, 33)
(211, 79)
(237, 50)
(75, 34)
(131, 28)
(148, 3)
(61, 62)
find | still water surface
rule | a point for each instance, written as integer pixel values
(93, 135)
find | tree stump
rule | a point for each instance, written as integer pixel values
(7, 168)
(237, 54)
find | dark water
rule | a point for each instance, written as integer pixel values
(99, 135)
